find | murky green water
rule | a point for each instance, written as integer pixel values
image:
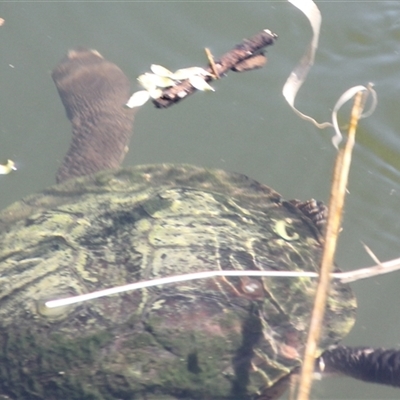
(245, 126)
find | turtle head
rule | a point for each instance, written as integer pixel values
(93, 92)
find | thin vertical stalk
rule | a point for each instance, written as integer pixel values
(336, 202)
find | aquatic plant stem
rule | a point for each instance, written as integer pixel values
(336, 202)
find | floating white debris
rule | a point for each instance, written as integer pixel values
(7, 167)
(161, 71)
(152, 81)
(138, 99)
(155, 93)
(179, 75)
(200, 84)
(187, 73)
(162, 77)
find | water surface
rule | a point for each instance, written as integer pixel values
(245, 126)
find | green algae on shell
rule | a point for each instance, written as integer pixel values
(201, 339)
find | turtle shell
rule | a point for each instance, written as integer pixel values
(217, 338)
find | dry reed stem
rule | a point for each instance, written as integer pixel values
(336, 202)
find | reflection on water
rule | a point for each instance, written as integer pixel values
(245, 126)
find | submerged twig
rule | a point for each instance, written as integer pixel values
(246, 50)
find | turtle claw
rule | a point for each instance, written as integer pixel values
(315, 210)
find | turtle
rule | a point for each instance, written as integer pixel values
(218, 338)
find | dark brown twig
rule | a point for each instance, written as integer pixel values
(248, 50)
